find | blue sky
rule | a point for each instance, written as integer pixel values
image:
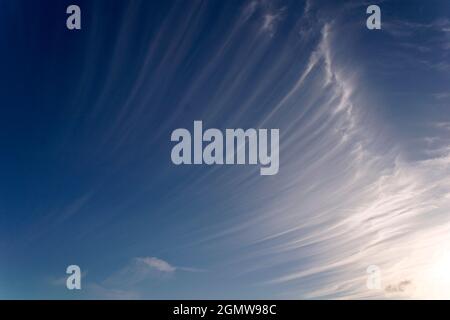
(87, 179)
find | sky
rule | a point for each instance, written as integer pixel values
(87, 179)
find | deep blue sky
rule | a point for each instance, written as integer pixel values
(85, 124)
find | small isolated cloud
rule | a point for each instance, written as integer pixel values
(443, 125)
(161, 266)
(265, 12)
(139, 270)
(97, 291)
(126, 283)
(157, 264)
(270, 21)
(401, 287)
(441, 95)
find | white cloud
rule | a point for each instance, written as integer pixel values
(266, 12)
(157, 264)
(124, 284)
(353, 202)
(96, 291)
(270, 21)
